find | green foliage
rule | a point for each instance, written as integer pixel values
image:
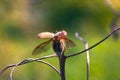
(19, 27)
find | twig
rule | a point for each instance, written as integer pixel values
(54, 68)
(62, 60)
(31, 60)
(115, 30)
(87, 61)
(27, 61)
(12, 70)
(113, 26)
(6, 67)
(87, 55)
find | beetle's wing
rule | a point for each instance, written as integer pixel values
(42, 47)
(69, 43)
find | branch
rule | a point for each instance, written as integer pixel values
(11, 73)
(6, 67)
(115, 30)
(113, 26)
(87, 54)
(26, 61)
(50, 65)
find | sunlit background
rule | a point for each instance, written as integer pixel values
(22, 20)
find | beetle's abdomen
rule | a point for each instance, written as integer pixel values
(57, 47)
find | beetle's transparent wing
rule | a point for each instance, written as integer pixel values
(42, 47)
(69, 43)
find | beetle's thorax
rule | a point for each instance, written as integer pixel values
(60, 35)
(59, 44)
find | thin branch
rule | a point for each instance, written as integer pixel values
(115, 30)
(27, 61)
(62, 60)
(87, 61)
(12, 70)
(6, 67)
(31, 60)
(87, 55)
(113, 26)
(50, 65)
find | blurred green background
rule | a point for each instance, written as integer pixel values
(22, 20)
